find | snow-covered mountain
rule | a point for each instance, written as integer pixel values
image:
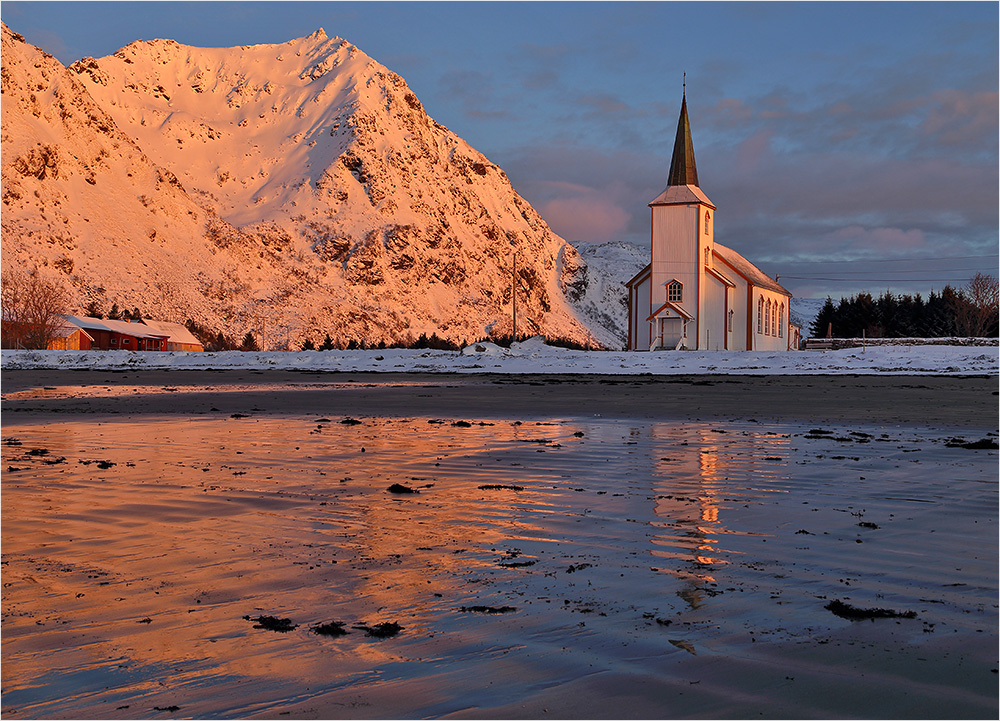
(299, 188)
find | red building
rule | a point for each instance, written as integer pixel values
(119, 334)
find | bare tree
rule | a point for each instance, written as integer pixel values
(977, 307)
(32, 309)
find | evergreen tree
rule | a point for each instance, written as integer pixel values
(886, 317)
(93, 310)
(249, 343)
(114, 313)
(823, 319)
(308, 345)
(327, 343)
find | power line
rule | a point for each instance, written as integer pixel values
(878, 280)
(892, 260)
(865, 272)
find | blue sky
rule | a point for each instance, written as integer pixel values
(848, 146)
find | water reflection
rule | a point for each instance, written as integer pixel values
(689, 487)
(133, 551)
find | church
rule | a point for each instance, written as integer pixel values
(697, 294)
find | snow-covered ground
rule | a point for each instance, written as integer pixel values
(533, 356)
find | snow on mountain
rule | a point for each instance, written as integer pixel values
(298, 187)
(803, 311)
(80, 198)
(599, 292)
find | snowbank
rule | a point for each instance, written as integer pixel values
(533, 356)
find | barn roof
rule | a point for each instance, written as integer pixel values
(69, 329)
(753, 274)
(136, 330)
(175, 332)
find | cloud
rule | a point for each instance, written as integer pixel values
(562, 180)
(590, 217)
(960, 118)
(474, 93)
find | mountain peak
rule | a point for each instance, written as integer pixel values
(302, 181)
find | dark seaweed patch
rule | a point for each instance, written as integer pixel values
(333, 628)
(488, 609)
(984, 444)
(382, 630)
(400, 488)
(272, 623)
(854, 613)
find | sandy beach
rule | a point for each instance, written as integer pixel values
(193, 544)
(965, 401)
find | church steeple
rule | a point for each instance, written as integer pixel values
(683, 170)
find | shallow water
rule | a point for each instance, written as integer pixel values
(647, 569)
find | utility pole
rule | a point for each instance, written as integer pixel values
(513, 297)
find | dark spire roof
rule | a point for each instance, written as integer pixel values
(682, 167)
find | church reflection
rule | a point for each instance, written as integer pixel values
(691, 466)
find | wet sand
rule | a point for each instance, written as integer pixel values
(932, 401)
(564, 554)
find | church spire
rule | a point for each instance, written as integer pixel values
(682, 167)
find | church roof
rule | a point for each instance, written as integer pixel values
(683, 170)
(682, 180)
(682, 195)
(753, 274)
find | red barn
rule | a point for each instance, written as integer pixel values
(119, 334)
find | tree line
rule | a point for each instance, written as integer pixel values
(968, 312)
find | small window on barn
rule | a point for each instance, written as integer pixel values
(760, 314)
(675, 291)
(114, 341)
(126, 341)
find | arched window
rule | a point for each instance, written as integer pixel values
(781, 321)
(708, 255)
(708, 221)
(774, 319)
(675, 291)
(760, 314)
(767, 318)
(730, 326)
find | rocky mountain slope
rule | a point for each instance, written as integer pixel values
(297, 188)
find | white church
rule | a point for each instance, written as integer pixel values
(697, 294)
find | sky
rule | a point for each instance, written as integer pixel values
(848, 146)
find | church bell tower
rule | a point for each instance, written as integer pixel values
(681, 240)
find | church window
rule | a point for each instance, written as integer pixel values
(767, 318)
(774, 321)
(708, 255)
(760, 314)
(730, 326)
(675, 291)
(781, 321)
(708, 220)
